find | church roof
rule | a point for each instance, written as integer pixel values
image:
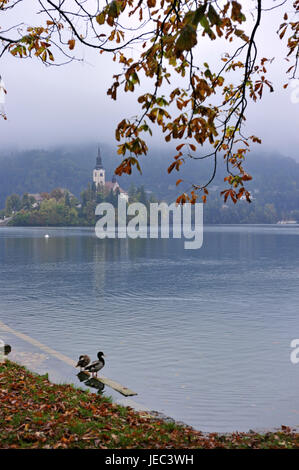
(37, 196)
(99, 164)
(111, 185)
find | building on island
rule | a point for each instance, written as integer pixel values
(99, 180)
(99, 172)
(37, 199)
(57, 193)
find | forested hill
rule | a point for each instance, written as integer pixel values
(275, 178)
(39, 170)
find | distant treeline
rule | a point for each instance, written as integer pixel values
(275, 184)
(62, 208)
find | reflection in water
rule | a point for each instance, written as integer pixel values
(201, 335)
(92, 382)
(82, 376)
(95, 383)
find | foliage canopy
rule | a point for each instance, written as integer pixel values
(192, 101)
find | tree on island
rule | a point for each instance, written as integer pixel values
(27, 201)
(57, 194)
(12, 204)
(190, 100)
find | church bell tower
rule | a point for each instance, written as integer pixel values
(99, 172)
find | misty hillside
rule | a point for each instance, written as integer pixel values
(275, 178)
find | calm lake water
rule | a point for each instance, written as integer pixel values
(202, 335)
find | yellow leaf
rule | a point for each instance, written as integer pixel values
(101, 18)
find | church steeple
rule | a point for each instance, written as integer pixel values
(99, 172)
(99, 164)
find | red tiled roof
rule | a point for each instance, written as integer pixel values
(109, 185)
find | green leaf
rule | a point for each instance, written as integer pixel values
(213, 16)
(113, 10)
(134, 78)
(205, 22)
(187, 39)
(199, 14)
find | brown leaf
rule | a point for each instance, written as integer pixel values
(71, 44)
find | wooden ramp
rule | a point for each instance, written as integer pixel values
(99, 382)
(110, 383)
(116, 386)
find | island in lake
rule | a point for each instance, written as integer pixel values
(61, 208)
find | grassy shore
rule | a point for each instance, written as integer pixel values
(35, 413)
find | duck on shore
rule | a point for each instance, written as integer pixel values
(84, 360)
(96, 366)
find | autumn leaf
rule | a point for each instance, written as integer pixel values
(71, 44)
(207, 102)
(186, 40)
(101, 18)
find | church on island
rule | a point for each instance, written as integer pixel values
(99, 180)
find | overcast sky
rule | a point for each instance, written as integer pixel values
(49, 106)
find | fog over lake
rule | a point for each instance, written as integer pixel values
(56, 105)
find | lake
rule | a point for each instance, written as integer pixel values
(202, 335)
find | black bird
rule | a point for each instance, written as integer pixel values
(95, 366)
(84, 360)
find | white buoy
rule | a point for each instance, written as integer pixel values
(46, 236)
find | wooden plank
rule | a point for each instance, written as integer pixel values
(116, 386)
(38, 345)
(110, 383)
